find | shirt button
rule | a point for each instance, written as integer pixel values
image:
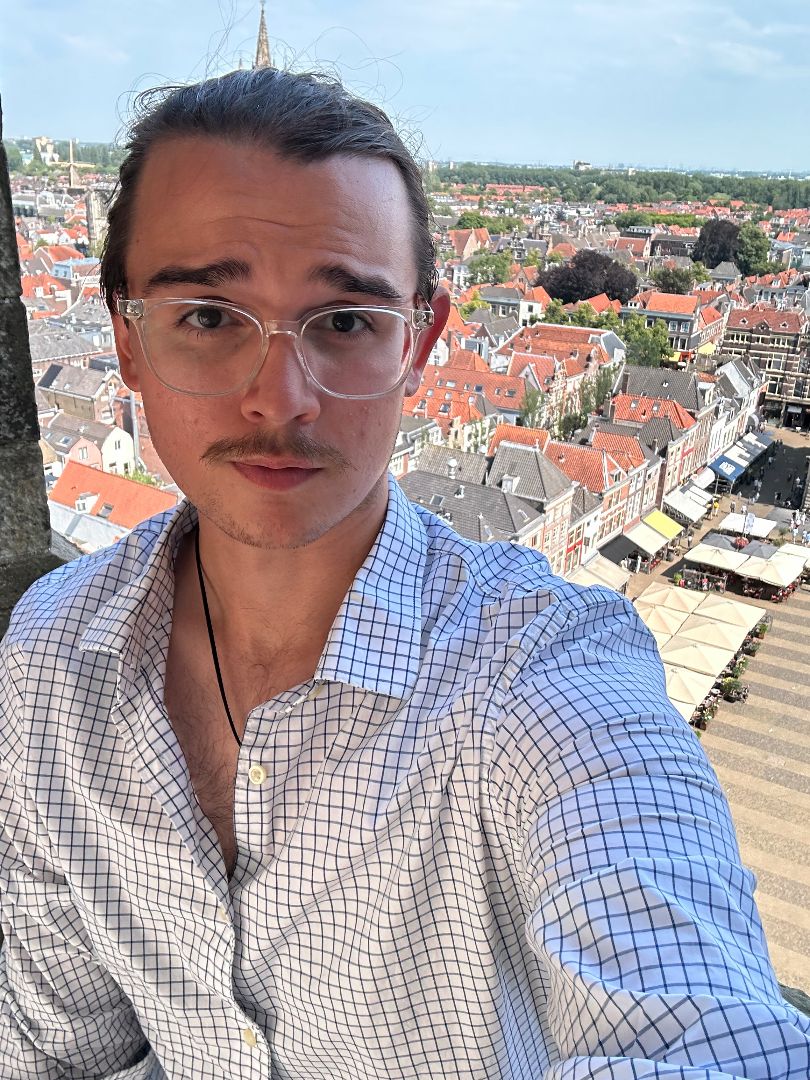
(257, 774)
(250, 1037)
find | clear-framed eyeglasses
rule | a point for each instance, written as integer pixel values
(210, 348)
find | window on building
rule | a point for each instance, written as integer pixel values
(82, 453)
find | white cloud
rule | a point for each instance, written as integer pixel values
(95, 48)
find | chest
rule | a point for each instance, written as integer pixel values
(211, 753)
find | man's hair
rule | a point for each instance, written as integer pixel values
(305, 118)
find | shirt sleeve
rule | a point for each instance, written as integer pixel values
(637, 904)
(61, 1013)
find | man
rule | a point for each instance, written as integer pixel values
(296, 782)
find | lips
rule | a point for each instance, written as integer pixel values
(276, 474)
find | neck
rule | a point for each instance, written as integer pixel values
(264, 600)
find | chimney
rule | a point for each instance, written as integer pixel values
(459, 493)
(452, 468)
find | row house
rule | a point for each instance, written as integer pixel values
(668, 429)
(641, 465)
(525, 471)
(602, 475)
(777, 343)
(784, 290)
(693, 390)
(478, 512)
(416, 434)
(51, 343)
(690, 325)
(86, 393)
(101, 446)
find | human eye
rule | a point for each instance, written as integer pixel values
(348, 321)
(205, 317)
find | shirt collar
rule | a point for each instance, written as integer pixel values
(374, 642)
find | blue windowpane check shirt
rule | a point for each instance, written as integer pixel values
(480, 843)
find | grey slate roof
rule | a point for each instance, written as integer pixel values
(680, 386)
(470, 468)
(63, 424)
(583, 503)
(66, 379)
(537, 478)
(725, 270)
(659, 431)
(480, 513)
(52, 343)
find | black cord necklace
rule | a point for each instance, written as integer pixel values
(213, 643)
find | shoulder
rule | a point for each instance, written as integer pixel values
(56, 609)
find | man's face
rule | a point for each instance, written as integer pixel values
(308, 235)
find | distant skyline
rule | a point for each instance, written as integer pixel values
(652, 83)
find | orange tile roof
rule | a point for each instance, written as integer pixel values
(626, 449)
(586, 465)
(500, 390)
(131, 502)
(671, 303)
(642, 409)
(523, 436)
(62, 252)
(790, 322)
(32, 282)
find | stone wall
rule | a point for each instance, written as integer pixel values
(25, 536)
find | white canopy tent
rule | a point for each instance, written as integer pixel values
(719, 558)
(660, 619)
(600, 571)
(750, 525)
(696, 655)
(714, 606)
(711, 632)
(797, 549)
(670, 596)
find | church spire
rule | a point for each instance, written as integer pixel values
(262, 45)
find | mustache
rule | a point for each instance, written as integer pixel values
(268, 444)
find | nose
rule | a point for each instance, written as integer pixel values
(281, 391)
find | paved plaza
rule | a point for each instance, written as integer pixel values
(761, 750)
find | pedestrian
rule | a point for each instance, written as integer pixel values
(733, 507)
(295, 780)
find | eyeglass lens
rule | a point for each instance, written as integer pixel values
(205, 347)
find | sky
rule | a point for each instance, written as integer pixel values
(699, 84)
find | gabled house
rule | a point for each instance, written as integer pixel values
(86, 393)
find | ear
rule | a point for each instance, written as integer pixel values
(125, 338)
(440, 306)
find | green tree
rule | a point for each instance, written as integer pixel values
(628, 218)
(716, 243)
(646, 346)
(475, 303)
(555, 258)
(142, 477)
(490, 269)
(751, 254)
(15, 161)
(471, 219)
(677, 280)
(588, 274)
(584, 315)
(555, 313)
(531, 411)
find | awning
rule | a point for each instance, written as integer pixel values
(684, 507)
(671, 596)
(727, 469)
(705, 478)
(758, 441)
(695, 655)
(711, 632)
(660, 620)
(797, 549)
(600, 571)
(699, 494)
(719, 558)
(687, 686)
(663, 524)
(646, 539)
(750, 524)
(783, 569)
(714, 606)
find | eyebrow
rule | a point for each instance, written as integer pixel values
(344, 280)
(212, 274)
